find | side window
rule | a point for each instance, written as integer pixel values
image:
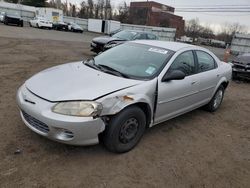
(205, 61)
(140, 36)
(151, 36)
(185, 63)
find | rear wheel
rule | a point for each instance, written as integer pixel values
(216, 101)
(125, 130)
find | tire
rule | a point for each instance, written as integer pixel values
(216, 101)
(124, 130)
(21, 24)
(30, 24)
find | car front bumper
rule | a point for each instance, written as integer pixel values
(37, 115)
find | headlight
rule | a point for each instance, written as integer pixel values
(110, 45)
(78, 108)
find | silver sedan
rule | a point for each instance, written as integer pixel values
(118, 94)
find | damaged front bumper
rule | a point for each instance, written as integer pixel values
(37, 115)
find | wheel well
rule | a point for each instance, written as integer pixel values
(224, 84)
(146, 109)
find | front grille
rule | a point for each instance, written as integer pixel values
(35, 123)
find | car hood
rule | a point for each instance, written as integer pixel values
(76, 81)
(242, 59)
(106, 39)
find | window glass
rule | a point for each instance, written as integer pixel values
(140, 36)
(135, 60)
(151, 36)
(205, 61)
(126, 35)
(185, 63)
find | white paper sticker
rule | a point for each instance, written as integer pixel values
(150, 70)
(157, 50)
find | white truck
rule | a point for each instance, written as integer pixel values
(50, 14)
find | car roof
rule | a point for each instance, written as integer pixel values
(137, 31)
(174, 46)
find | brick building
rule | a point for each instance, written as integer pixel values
(156, 14)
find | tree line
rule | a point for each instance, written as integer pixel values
(98, 9)
(194, 29)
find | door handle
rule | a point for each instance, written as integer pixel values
(193, 82)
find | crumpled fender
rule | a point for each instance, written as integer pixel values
(141, 93)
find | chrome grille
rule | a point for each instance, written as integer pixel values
(35, 123)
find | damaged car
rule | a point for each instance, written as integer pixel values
(241, 66)
(115, 96)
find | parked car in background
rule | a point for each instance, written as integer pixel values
(75, 27)
(116, 95)
(103, 43)
(60, 26)
(40, 22)
(241, 66)
(13, 19)
(2, 16)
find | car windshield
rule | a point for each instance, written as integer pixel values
(126, 35)
(135, 61)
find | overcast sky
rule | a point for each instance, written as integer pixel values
(212, 19)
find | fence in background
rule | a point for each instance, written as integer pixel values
(240, 44)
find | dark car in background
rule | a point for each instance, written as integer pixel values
(103, 43)
(74, 27)
(61, 26)
(12, 19)
(241, 66)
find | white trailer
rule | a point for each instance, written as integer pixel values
(240, 43)
(51, 14)
(103, 26)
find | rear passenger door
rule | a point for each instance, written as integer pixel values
(208, 75)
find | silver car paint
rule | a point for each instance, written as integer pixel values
(174, 97)
(61, 80)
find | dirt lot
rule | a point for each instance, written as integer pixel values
(199, 149)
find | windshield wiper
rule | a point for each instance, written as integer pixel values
(91, 63)
(111, 70)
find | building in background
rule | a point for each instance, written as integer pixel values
(156, 14)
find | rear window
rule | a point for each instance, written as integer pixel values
(205, 61)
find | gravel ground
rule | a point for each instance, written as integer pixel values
(198, 149)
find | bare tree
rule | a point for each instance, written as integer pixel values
(123, 13)
(228, 31)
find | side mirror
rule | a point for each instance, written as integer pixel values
(173, 75)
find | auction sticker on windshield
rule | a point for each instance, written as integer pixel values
(157, 50)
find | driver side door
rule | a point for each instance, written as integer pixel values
(176, 97)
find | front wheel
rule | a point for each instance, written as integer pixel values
(216, 101)
(125, 130)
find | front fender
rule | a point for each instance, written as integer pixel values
(141, 93)
(114, 105)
